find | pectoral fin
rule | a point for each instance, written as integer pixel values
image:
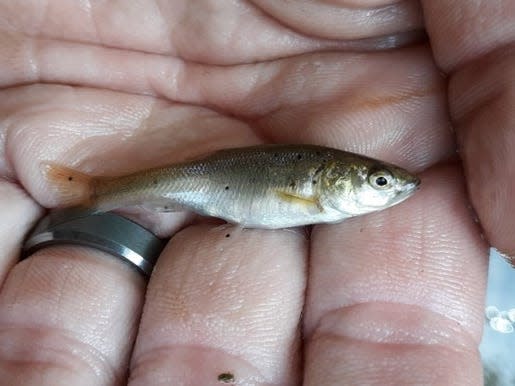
(310, 203)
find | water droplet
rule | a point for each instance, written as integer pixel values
(502, 325)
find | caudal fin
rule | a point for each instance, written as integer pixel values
(71, 187)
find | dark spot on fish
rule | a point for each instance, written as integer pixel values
(227, 188)
(165, 207)
(299, 156)
(228, 235)
(318, 170)
(276, 155)
(314, 182)
(292, 184)
(226, 378)
(155, 182)
(318, 153)
(70, 178)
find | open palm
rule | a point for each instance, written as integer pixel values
(113, 87)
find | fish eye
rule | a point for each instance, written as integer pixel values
(381, 179)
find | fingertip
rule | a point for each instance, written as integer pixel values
(227, 293)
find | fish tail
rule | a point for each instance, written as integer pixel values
(72, 188)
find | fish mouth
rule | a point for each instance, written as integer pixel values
(412, 184)
(408, 189)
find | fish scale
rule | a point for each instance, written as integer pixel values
(267, 186)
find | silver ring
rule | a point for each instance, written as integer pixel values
(107, 232)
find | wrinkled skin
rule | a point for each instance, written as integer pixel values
(390, 298)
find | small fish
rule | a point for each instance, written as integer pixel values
(267, 186)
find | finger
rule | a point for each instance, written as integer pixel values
(141, 73)
(474, 43)
(346, 19)
(484, 121)
(335, 99)
(238, 32)
(396, 297)
(461, 30)
(19, 213)
(362, 3)
(223, 301)
(68, 316)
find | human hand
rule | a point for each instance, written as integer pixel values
(394, 297)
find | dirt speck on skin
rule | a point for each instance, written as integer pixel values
(226, 378)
